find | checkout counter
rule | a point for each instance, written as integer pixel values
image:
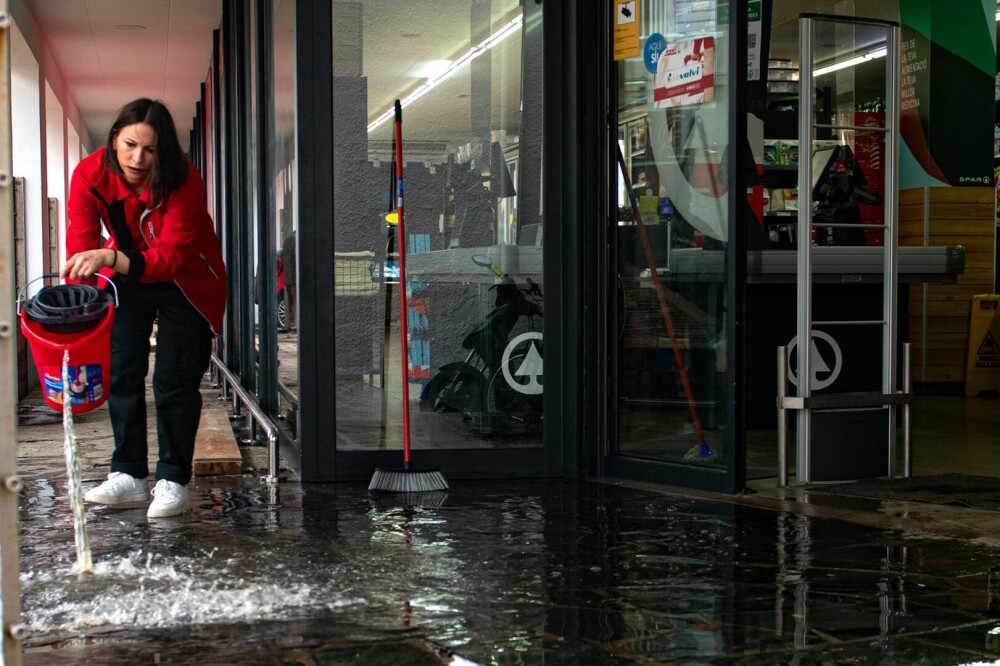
(464, 264)
(847, 284)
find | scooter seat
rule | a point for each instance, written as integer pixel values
(483, 329)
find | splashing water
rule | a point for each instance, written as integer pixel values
(144, 590)
(84, 564)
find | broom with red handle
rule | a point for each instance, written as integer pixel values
(701, 452)
(404, 480)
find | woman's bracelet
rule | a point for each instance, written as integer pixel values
(115, 262)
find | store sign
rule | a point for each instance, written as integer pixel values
(754, 30)
(626, 23)
(825, 365)
(523, 353)
(685, 75)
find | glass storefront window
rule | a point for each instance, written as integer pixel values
(285, 213)
(469, 81)
(671, 234)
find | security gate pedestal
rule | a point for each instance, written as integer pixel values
(867, 419)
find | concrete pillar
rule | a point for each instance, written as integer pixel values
(29, 161)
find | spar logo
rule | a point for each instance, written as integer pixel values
(522, 363)
(825, 360)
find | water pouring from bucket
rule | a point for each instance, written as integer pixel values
(69, 330)
(84, 562)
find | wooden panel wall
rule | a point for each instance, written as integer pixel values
(958, 216)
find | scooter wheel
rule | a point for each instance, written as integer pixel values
(447, 392)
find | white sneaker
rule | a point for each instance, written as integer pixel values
(120, 488)
(169, 499)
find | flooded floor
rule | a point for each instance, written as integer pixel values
(495, 572)
(492, 572)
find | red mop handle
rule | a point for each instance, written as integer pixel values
(661, 293)
(401, 253)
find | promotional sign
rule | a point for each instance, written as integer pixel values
(656, 44)
(869, 151)
(947, 64)
(685, 75)
(754, 33)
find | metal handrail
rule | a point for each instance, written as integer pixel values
(240, 394)
(288, 395)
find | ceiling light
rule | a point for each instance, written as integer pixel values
(871, 55)
(453, 66)
(428, 69)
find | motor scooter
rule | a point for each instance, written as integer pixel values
(498, 386)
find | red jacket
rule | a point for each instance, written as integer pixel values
(173, 242)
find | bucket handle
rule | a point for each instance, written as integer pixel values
(46, 276)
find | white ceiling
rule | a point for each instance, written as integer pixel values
(785, 22)
(107, 60)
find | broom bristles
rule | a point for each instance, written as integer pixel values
(407, 481)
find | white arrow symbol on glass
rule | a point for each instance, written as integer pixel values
(818, 363)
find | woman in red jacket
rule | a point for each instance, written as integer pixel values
(165, 258)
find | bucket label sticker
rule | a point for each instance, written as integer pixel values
(85, 383)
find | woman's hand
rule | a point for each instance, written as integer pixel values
(83, 265)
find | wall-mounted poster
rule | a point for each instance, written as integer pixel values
(685, 74)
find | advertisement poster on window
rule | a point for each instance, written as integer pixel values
(754, 30)
(947, 70)
(685, 75)
(869, 149)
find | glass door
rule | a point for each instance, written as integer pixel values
(467, 79)
(673, 196)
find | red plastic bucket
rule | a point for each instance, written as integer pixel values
(89, 362)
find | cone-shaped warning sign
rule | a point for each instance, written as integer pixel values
(983, 369)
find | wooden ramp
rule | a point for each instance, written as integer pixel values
(215, 449)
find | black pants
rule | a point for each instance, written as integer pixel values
(183, 346)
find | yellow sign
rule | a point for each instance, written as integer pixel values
(982, 373)
(626, 25)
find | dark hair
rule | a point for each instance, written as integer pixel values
(170, 164)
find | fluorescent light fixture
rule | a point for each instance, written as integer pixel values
(998, 16)
(505, 31)
(430, 68)
(857, 60)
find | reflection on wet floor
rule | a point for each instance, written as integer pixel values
(496, 572)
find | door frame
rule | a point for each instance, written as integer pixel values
(601, 399)
(319, 459)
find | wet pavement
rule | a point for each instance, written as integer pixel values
(511, 572)
(491, 572)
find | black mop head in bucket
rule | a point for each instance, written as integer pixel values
(68, 308)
